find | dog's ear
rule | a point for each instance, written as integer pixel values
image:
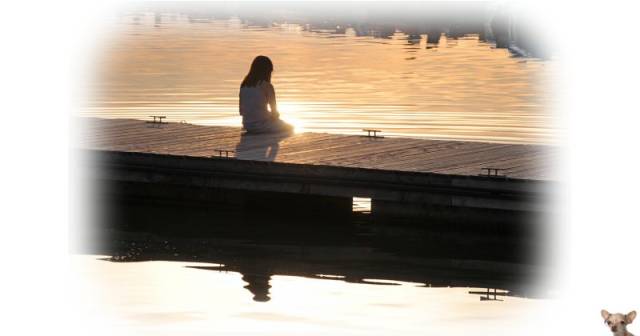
(605, 314)
(629, 318)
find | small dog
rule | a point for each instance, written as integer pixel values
(618, 322)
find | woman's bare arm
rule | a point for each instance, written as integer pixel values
(271, 99)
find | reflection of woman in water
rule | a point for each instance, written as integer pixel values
(256, 94)
(258, 285)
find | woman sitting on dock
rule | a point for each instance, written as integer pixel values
(256, 93)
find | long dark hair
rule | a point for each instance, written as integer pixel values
(261, 69)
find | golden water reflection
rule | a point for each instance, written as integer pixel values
(158, 298)
(190, 70)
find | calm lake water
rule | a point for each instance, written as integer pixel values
(189, 270)
(327, 80)
(174, 298)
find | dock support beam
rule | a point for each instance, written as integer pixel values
(257, 204)
(450, 218)
(298, 205)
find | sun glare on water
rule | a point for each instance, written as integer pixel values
(290, 113)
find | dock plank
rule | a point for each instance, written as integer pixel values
(355, 151)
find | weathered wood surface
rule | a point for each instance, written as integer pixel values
(532, 162)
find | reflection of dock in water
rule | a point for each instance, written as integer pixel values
(373, 273)
(372, 268)
(490, 295)
(379, 258)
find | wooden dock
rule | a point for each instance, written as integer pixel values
(400, 175)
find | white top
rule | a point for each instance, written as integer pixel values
(253, 103)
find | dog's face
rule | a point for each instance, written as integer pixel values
(617, 322)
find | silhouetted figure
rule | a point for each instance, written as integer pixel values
(258, 100)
